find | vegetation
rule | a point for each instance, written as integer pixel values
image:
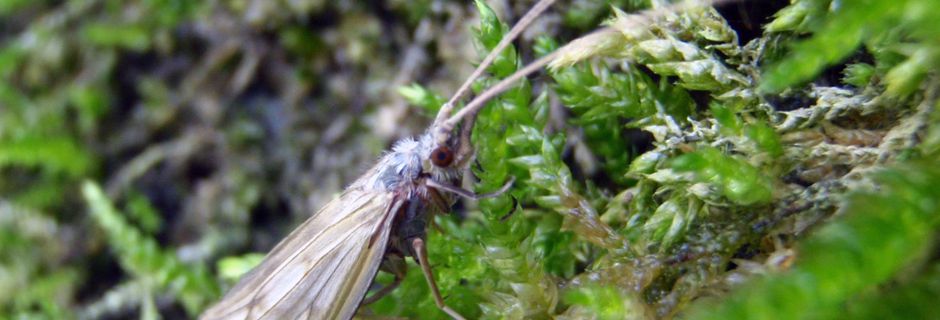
(771, 160)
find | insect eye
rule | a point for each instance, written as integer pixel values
(442, 156)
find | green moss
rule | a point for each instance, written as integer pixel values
(880, 234)
(143, 257)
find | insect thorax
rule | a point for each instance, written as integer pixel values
(402, 169)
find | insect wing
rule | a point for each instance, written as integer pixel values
(322, 269)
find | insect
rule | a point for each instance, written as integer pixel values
(324, 268)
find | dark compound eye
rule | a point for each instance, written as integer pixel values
(442, 156)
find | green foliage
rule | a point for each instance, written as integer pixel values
(765, 138)
(232, 268)
(742, 183)
(56, 155)
(488, 34)
(422, 97)
(143, 257)
(141, 211)
(884, 28)
(131, 38)
(881, 233)
(740, 158)
(605, 303)
(858, 74)
(909, 299)
(603, 100)
(586, 14)
(29, 242)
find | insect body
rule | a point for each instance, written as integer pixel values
(323, 269)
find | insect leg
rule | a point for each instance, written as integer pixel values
(422, 254)
(437, 201)
(470, 194)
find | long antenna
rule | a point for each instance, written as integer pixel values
(517, 29)
(500, 87)
(635, 19)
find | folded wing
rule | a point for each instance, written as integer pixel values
(322, 269)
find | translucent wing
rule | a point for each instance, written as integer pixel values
(323, 269)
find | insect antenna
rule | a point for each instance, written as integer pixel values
(445, 122)
(517, 29)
